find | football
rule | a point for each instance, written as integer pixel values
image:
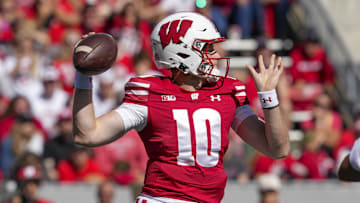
(95, 54)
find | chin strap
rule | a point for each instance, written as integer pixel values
(175, 74)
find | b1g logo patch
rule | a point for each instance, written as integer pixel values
(173, 32)
(168, 98)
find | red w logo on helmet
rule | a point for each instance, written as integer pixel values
(174, 33)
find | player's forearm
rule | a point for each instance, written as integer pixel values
(90, 131)
(276, 133)
(84, 123)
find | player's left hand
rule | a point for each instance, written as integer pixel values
(267, 78)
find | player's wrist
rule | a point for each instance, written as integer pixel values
(82, 81)
(354, 157)
(268, 99)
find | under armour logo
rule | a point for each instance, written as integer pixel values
(195, 96)
(213, 97)
(265, 100)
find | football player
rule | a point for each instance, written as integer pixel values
(349, 168)
(184, 119)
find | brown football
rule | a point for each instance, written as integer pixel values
(95, 54)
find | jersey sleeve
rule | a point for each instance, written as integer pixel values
(242, 113)
(243, 109)
(134, 110)
(133, 115)
(137, 91)
(239, 93)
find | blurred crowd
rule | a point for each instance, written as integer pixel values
(37, 75)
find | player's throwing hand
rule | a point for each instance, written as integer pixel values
(267, 77)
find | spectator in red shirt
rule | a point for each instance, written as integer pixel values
(92, 21)
(318, 163)
(311, 73)
(122, 174)
(347, 139)
(66, 15)
(18, 105)
(29, 179)
(132, 32)
(128, 149)
(326, 124)
(29, 175)
(23, 138)
(79, 167)
(8, 19)
(346, 142)
(286, 168)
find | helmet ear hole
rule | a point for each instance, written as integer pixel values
(182, 55)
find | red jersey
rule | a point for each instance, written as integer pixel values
(315, 69)
(67, 173)
(186, 136)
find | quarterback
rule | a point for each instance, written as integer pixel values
(184, 119)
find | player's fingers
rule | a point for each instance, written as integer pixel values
(278, 62)
(251, 70)
(261, 63)
(87, 34)
(272, 62)
(281, 66)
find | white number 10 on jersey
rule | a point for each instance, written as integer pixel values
(200, 116)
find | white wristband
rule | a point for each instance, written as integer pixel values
(354, 156)
(82, 81)
(268, 99)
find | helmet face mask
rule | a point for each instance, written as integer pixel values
(186, 41)
(211, 67)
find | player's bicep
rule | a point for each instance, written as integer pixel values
(113, 125)
(109, 127)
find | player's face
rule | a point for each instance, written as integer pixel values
(215, 64)
(212, 53)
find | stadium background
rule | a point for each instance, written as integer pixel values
(319, 92)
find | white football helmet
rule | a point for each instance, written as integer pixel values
(185, 41)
